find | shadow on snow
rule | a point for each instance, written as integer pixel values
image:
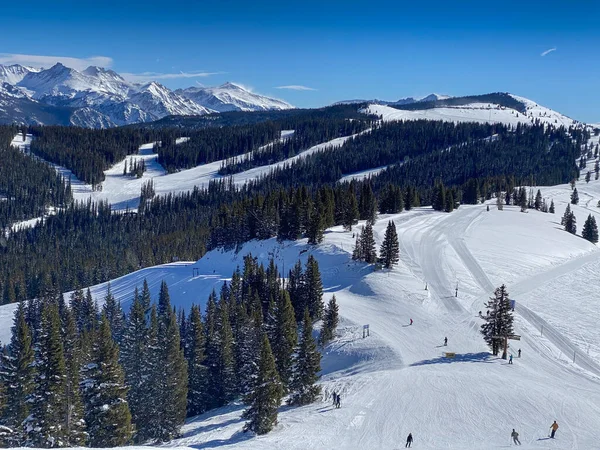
(482, 357)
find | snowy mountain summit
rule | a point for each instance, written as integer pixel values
(98, 97)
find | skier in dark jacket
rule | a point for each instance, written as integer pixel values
(445, 341)
(337, 401)
(334, 396)
(409, 440)
(515, 437)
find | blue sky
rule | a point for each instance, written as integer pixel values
(337, 49)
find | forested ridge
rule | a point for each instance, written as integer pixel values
(27, 186)
(432, 163)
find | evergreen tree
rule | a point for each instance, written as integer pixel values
(439, 199)
(368, 250)
(306, 367)
(330, 322)
(449, 201)
(75, 434)
(390, 253)
(104, 391)
(265, 398)
(170, 375)
(571, 223)
(499, 321)
(575, 197)
(350, 213)
(285, 337)
(136, 360)
(538, 200)
(590, 230)
(18, 373)
(551, 210)
(566, 214)
(114, 314)
(45, 426)
(313, 288)
(588, 176)
(357, 254)
(197, 370)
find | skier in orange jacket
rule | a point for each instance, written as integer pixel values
(553, 427)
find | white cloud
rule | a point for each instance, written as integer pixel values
(296, 87)
(152, 76)
(49, 61)
(550, 50)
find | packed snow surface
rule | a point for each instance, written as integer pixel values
(397, 380)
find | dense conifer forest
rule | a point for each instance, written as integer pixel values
(76, 375)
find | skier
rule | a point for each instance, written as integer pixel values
(334, 396)
(411, 321)
(409, 440)
(553, 427)
(445, 341)
(510, 359)
(519, 353)
(337, 401)
(515, 437)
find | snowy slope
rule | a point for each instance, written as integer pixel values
(397, 380)
(232, 97)
(477, 112)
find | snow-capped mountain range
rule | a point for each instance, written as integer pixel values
(403, 101)
(99, 98)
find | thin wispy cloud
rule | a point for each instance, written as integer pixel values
(296, 87)
(152, 76)
(550, 50)
(46, 61)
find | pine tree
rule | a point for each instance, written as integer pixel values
(265, 398)
(590, 230)
(114, 314)
(75, 433)
(330, 322)
(104, 391)
(439, 199)
(566, 214)
(18, 373)
(449, 201)
(499, 321)
(45, 426)
(307, 365)
(357, 252)
(575, 197)
(390, 253)
(588, 176)
(571, 223)
(551, 210)
(350, 211)
(313, 288)
(135, 357)
(285, 337)
(538, 200)
(170, 376)
(368, 244)
(197, 370)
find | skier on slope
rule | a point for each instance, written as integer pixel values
(334, 397)
(337, 401)
(409, 440)
(553, 427)
(515, 437)
(519, 353)
(445, 341)
(411, 321)
(510, 359)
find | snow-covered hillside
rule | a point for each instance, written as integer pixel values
(99, 98)
(397, 380)
(477, 112)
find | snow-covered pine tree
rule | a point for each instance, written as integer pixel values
(135, 358)
(390, 250)
(285, 337)
(499, 201)
(574, 197)
(307, 365)
(114, 314)
(566, 214)
(171, 377)
(295, 286)
(18, 373)
(313, 288)
(571, 223)
(265, 398)
(537, 204)
(499, 321)
(357, 252)
(104, 391)
(45, 426)
(368, 244)
(75, 434)
(551, 209)
(590, 230)
(197, 370)
(330, 322)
